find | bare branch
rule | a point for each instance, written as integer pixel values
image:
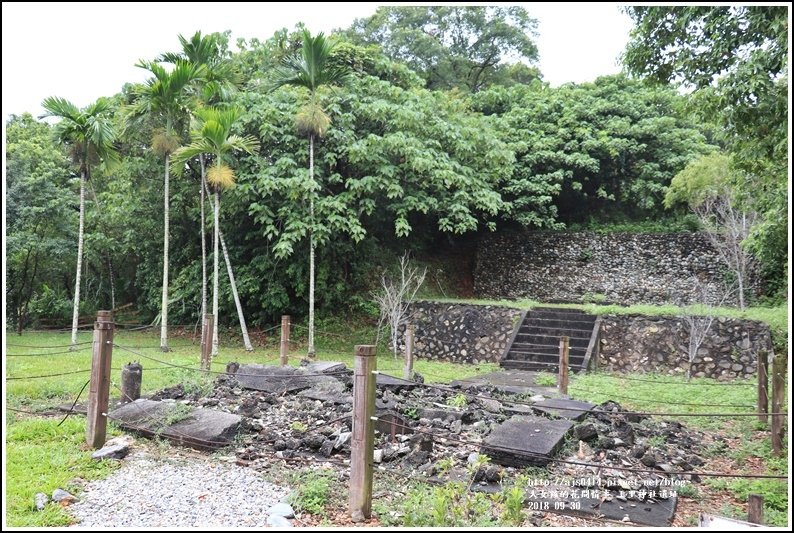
(394, 299)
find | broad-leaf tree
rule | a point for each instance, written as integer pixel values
(215, 137)
(460, 47)
(89, 135)
(311, 69)
(736, 59)
(166, 96)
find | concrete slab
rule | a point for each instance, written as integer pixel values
(526, 441)
(509, 381)
(328, 391)
(385, 381)
(324, 367)
(278, 379)
(564, 408)
(563, 500)
(198, 427)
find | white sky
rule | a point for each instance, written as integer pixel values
(83, 51)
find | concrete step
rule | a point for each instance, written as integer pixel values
(545, 357)
(556, 332)
(551, 340)
(547, 349)
(534, 366)
(559, 323)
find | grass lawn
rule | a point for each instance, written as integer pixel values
(42, 457)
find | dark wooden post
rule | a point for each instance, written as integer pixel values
(778, 385)
(755, 509)
(99, 390)
(762, 373)
(562, 381)
(206, 341)
(131, 377)
(363, 439)
(284, 348)
(408, 369)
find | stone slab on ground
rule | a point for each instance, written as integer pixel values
(325, 367)
(562, 500)
(564, 408)
(328, 391)
(385, 381)
(277, 379)
(526, 441)
(509, 381)
(199, 428)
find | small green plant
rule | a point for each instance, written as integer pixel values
(177, 413)
(197, 385)
(585, 255)
(445, 465)
(459, 400)
(688, 491)
(513, 498)
(311, 496)
(298, 426)
(545, 379)
(657, 441)
(411, 412)
(593, 298)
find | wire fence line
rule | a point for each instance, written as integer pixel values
(285, 376)
(578, 409)
(47, 347)
(662, 382)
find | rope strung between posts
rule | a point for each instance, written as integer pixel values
(62, 352)
(582, 410)
(286, 376)
(49, 375)
(47, 347)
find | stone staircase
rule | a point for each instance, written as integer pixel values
(536, 342)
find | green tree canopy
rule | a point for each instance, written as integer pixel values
(464, 47)
(605, 150)
(736, 57)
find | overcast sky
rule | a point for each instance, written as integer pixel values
(84, 51)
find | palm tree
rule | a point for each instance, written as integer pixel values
(89, 133)
(214, 137)
(311, 69)
(219, 84)
(166, 96)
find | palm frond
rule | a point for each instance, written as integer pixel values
(310, 67)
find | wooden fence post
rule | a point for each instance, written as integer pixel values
(363, 438)
(762, 373)
(206, 341)
(99, 389)
(408, 369)
(131, 377)
(778, 384)
(755, 509)
(562, 381)
(284, 348)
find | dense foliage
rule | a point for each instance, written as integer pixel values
(405, 163)
(736, 60)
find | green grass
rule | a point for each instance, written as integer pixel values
(41, 457)
(48, 392)
(645, 396)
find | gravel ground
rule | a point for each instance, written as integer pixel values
(147, 492)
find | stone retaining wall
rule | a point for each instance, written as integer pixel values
(637, 343)
(461, 333)
(623, 268)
